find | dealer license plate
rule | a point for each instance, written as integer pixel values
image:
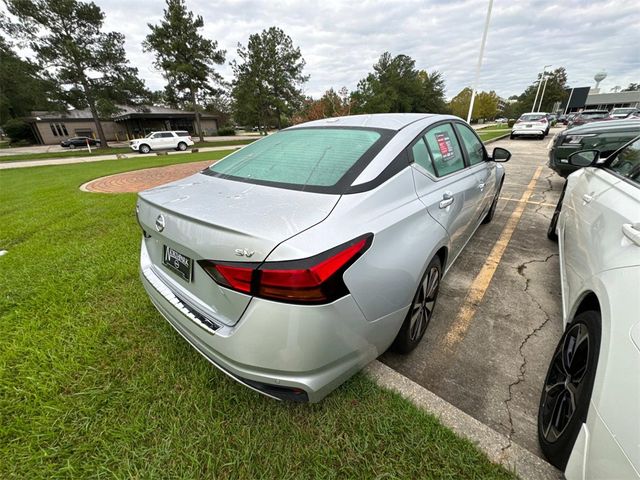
(177, 262)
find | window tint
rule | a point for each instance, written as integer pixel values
(444, 148)
(167, 135)
(183, 134)
(627, 163)
(421, 156)
(531, 117)
(474, 147)
(301, 157)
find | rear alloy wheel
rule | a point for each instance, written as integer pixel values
(564, 402)
(421, 310)
(144, 149)
(182, 146)
(492, 211)
(72, 146)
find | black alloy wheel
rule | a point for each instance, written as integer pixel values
(421, 309)
(564, 402)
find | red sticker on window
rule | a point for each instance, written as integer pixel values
(445, 145)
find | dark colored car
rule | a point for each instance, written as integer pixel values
(75, 142)
(587, 116)
(606, 137)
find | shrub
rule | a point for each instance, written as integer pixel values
(18, 131)
(511, 122)
(226, 131)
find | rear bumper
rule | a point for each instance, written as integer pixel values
(528, 131)
(276, 347)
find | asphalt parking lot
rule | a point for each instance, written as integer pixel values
(498, 315)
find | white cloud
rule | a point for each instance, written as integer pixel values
(341, 40)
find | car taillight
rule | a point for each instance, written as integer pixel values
(544, 120)
(519, 121)
(312, 280)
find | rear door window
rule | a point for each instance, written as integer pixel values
(473, 146)
(301, 157)
(421, 155)
(445, 150)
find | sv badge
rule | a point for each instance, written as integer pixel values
(243, 252)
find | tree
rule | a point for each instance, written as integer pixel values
(459, 105)
(267, 79)
(555, 91)
(395, 85)
(185, 56)
(331, 104)
(633, 87)
(485, 104)
(67, 39)
(22, 89)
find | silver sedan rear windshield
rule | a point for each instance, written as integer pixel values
(531, 118)
(317, 159)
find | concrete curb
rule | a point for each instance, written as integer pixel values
(495, 445)
(491, 140)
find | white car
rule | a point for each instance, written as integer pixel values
(531, 124)
(168, 140)
(589, 415)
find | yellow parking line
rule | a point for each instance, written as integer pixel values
(528, 201)
(481, 283)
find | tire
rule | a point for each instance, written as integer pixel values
(72, 146)
(541, 136)
(551, 231)
(421, 309)
(489, 216)
(512, 136)
(182, 147)
(564, 402)
(144, 148)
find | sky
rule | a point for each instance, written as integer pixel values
(341, 40)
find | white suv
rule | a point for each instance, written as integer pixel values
(177, 140)
(534, 123)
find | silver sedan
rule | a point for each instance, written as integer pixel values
(295, 261)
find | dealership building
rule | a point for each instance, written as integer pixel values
(585, 98)
(129, 123)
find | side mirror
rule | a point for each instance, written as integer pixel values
(584, 158)
(500, 154)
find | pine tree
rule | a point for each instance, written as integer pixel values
(185, 56)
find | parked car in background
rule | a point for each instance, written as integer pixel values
(168, 140)
(295, 261)
(605, 136)
(588, 419)
(561, 119)
(587, 116)
(618, 113)
(77, 142)
(501, 120)
(531, 124)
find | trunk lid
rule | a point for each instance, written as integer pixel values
(211, 218)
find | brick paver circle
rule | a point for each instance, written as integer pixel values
(138, 180)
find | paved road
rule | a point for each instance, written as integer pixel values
(488, 355)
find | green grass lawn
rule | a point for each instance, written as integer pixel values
(484, 136)
(95, 384)
(109, 151)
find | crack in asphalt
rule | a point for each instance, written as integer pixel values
(523, 366)
(544, 195)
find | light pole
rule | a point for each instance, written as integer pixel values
(484, 40)
(546, 77)
(535, 100)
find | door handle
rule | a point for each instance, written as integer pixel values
(447, 199)
(481, 186)
(631, 232)
(586, 198)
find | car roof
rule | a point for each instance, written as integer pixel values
(390, 121)
(607, 125)
(593, 111)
